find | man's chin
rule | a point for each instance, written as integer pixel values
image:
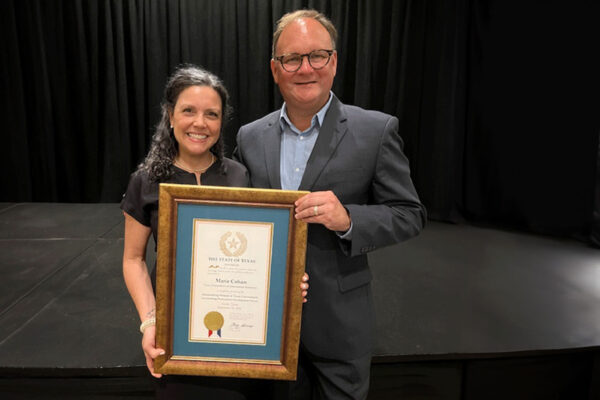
(306, 97)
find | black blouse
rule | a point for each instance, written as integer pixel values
(141, 198)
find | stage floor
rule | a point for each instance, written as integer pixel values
(455, 291)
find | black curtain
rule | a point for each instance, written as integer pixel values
(533, 115)
(498, 101)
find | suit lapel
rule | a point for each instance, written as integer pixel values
(272, 143)
(333, 130)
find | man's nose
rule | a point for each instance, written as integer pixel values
(305, 65)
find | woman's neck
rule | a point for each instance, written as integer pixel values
(194, 164)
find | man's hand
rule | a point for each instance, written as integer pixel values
(323, 208)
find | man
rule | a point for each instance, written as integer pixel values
(362, 198)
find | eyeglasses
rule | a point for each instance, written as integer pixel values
(316, 58)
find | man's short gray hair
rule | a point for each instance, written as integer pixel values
(298, 14)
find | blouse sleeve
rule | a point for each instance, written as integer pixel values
(135, 199)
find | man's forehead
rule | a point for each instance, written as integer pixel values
(301, 31)
(305, 25)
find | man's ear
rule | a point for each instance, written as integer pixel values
(274, 71)
(334, 60)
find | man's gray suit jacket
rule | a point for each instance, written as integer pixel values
(358, 155)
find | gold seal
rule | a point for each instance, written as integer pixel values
(233, 245)
(213, 321)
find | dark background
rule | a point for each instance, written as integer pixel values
(498, 101)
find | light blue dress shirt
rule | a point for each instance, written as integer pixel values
(296, 147)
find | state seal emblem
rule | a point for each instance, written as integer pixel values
(233, 245)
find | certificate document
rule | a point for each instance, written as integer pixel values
(230, 276)
(227, 298)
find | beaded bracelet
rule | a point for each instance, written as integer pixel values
(147, 323)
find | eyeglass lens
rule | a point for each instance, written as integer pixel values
(316, 58)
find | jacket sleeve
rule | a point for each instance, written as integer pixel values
(394, 212)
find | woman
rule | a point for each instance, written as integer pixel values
(186, 148)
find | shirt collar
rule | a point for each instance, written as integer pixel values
(320, 115)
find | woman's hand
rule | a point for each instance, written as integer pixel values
(304, 287)
(151, 352)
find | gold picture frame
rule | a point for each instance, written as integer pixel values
(229, 266)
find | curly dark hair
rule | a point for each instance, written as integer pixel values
(163, 149)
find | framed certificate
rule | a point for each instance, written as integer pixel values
(229, 266)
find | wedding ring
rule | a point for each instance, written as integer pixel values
(316, 210)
